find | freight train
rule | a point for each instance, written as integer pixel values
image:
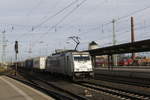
(73, 64)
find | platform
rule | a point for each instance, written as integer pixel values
(127, 68)
(131, 72)
(11, 89)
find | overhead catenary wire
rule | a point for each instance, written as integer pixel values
(122, 33)
(136, 29)
(31, 26)
(127, 15)
(60, 21)
(28, 13)
(51, 17)
(67, 15)
(122, 17)
(132, 12)
(103, 24)
(57, 13)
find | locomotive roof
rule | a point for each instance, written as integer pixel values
(70, 51)
(65, 51)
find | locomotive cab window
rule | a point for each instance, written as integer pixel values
(81, 58)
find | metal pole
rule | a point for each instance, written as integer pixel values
(114, 33)
(3, 47)
(92, 58)
(109, 62)
(114, 42)
(16, 65)
(30, 49)
(16, 52)
(132, 35)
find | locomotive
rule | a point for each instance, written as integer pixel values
(73, 64)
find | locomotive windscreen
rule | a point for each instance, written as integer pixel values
(81, 58)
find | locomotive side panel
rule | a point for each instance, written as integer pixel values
(69, 66)
(54, 64)
(61, 65)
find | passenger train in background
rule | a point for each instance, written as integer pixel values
(73, 64)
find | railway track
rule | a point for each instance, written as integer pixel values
(42, 81)
(117, 93)
(122, 94)
(124, 80)
(40, 85)
(75, 96)
(95, 88)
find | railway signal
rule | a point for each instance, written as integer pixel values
(16, 51)
(16, 47)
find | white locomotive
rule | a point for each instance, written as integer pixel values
(70, 63)
(73, 64)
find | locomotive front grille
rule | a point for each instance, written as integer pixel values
(84, 75)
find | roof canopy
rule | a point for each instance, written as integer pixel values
(138, 46)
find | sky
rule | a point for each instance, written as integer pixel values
(41, 26)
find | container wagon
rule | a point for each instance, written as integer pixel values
(39, 63)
